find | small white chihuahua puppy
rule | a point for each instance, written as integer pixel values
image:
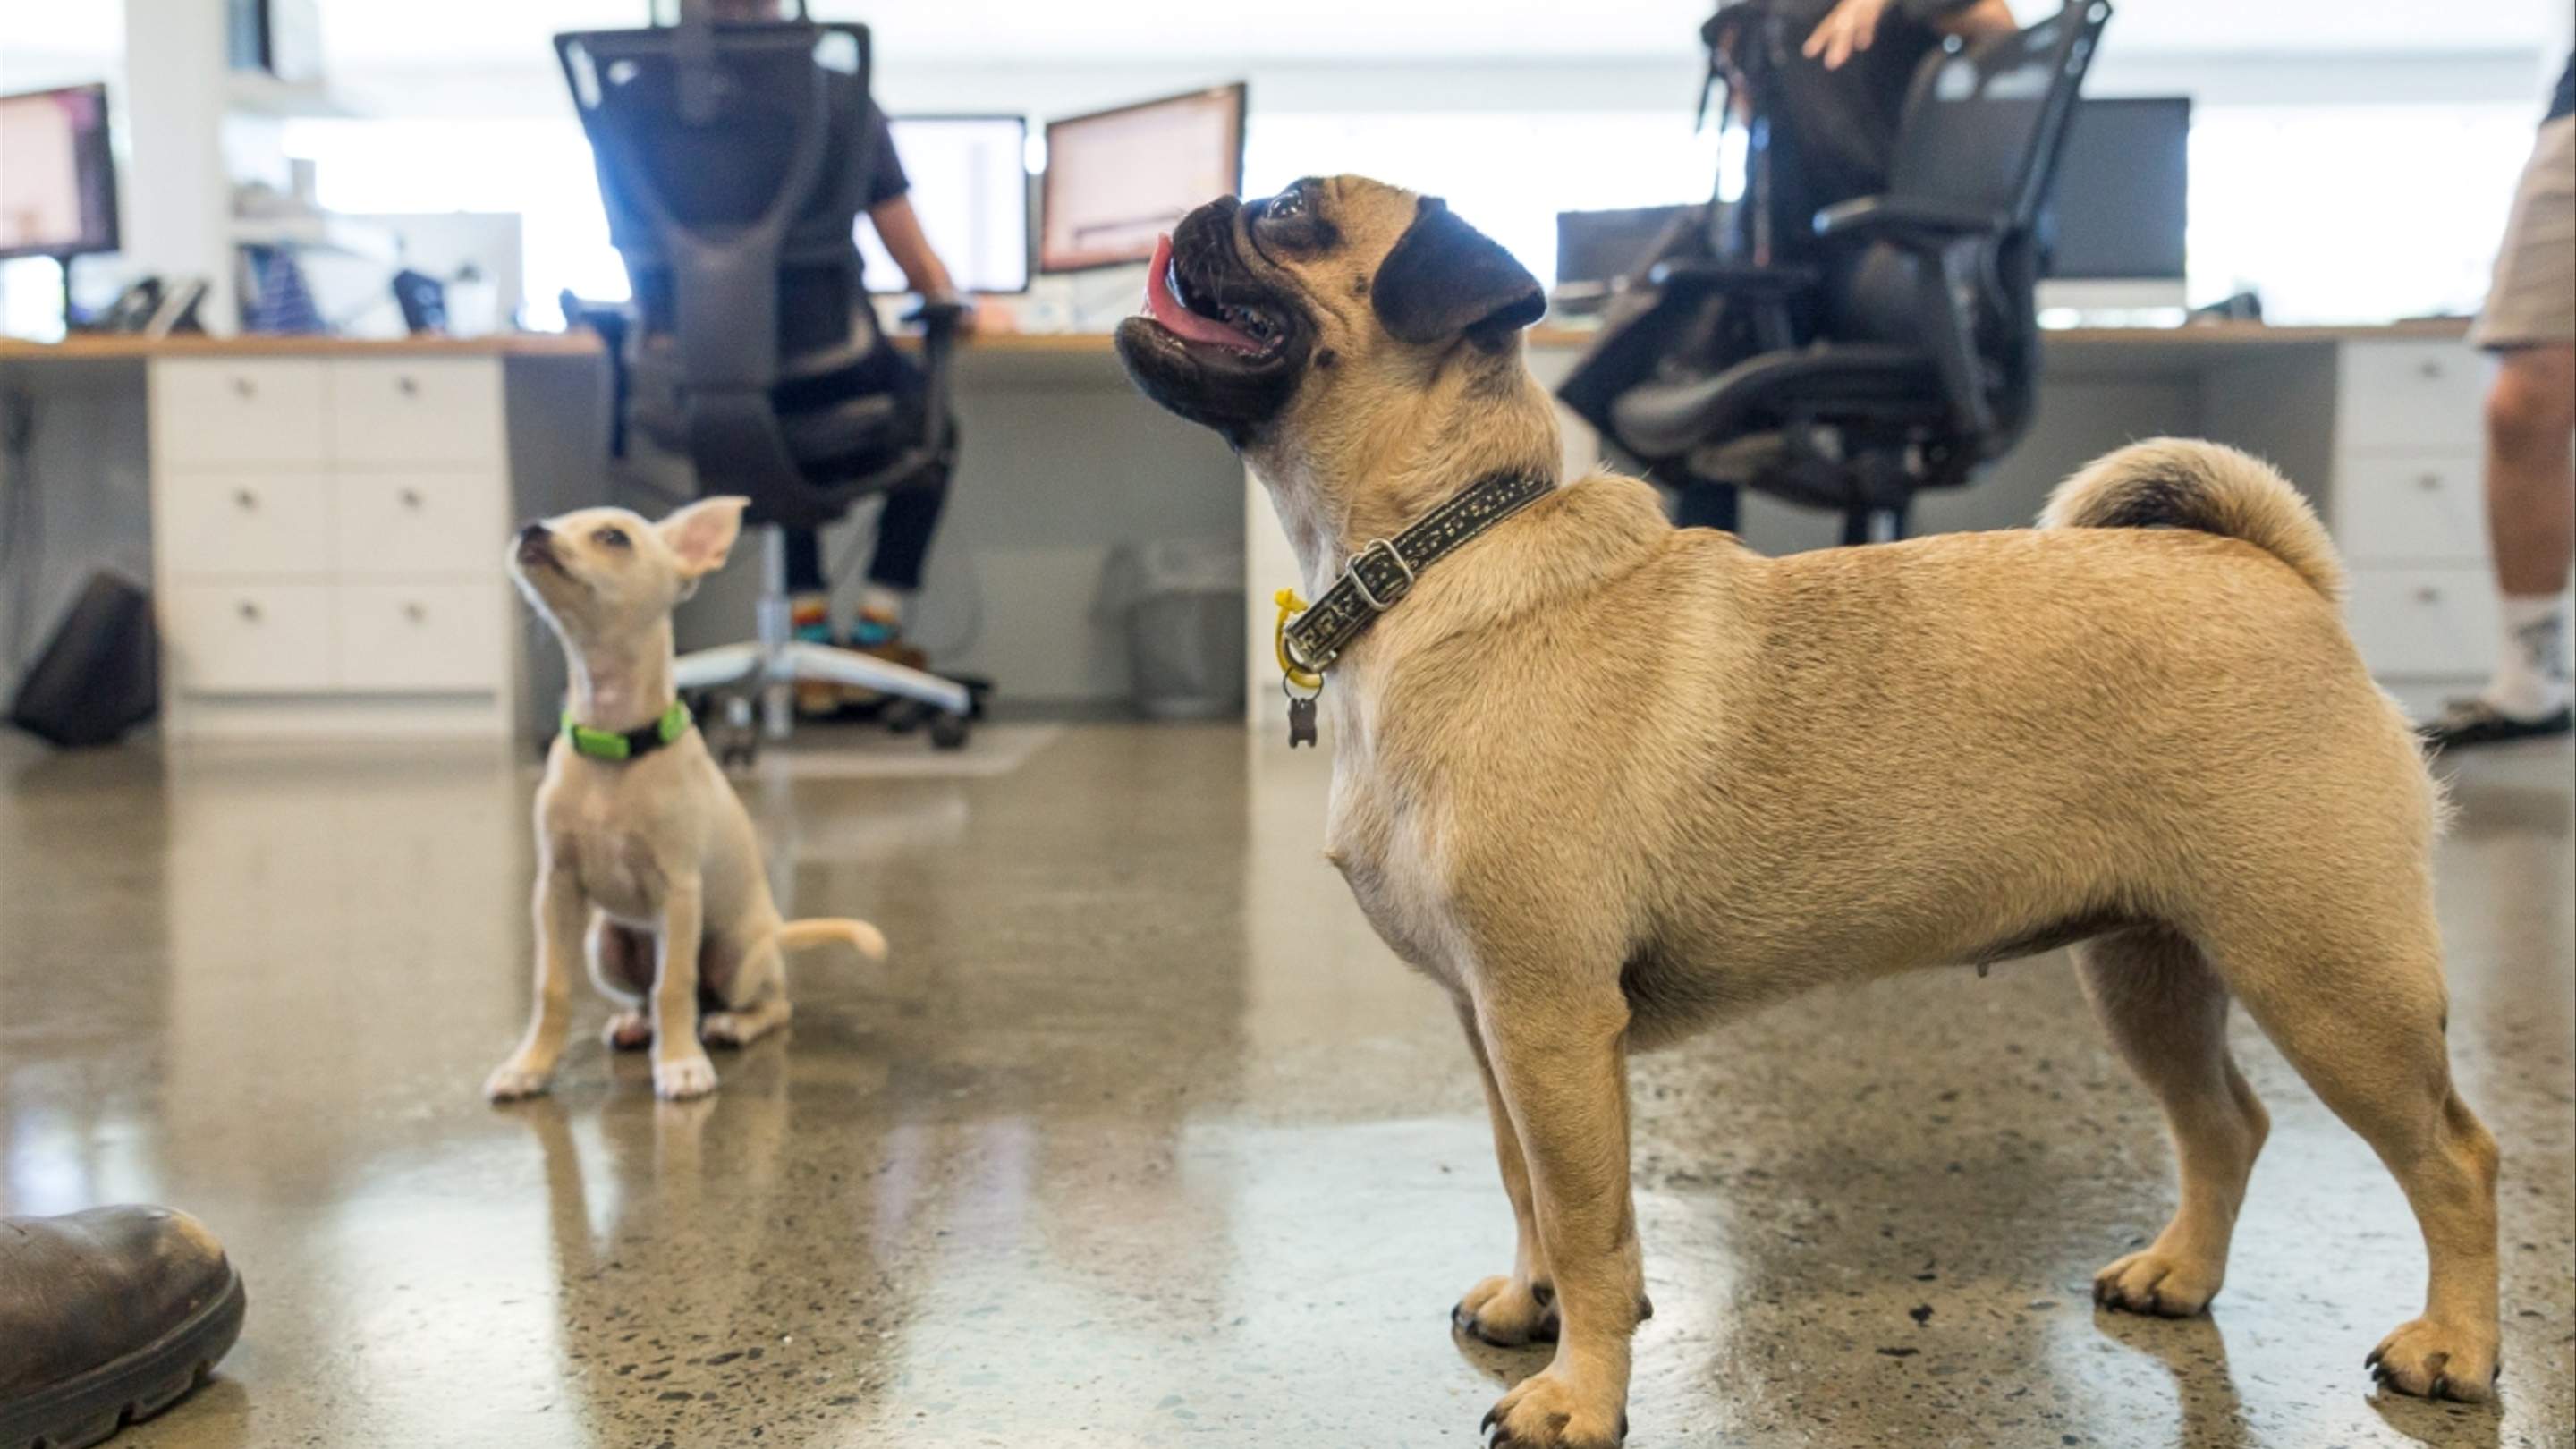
(643, 850)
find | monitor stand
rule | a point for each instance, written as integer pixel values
(71, 314)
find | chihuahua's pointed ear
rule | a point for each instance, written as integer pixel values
(703, 533)
(1446, 280)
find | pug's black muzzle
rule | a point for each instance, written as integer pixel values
(1237, 393)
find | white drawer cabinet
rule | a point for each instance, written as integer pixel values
(2411, 508)
(2425, 623)
(2415, 396)
(248, 638)
(265, 524)
(2407, 507)
(417, 524)
(412, 637)
(405, 413)
(328, 536)
(210, 412)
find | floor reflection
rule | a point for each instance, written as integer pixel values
(1142, 1139)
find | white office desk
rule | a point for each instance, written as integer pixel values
(2379, 425)
(322, 521)
(1062, 460)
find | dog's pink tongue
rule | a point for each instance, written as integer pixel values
(1167, 309)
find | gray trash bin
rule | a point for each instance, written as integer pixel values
(1180, 602)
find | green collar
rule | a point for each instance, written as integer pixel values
(611, 745)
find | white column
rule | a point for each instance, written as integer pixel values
(176, 207)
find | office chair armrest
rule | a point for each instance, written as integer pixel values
(1732, 279)
(938, 314)
(1910, 222)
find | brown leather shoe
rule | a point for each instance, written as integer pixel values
(107, 1317)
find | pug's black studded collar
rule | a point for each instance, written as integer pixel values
(1383, 572)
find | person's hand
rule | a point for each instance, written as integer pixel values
(1852, 26)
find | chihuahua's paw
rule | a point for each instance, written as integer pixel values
(1507, 1313)
(1549, 1410)
(681, 1078)
(2160, 1284)
(515, 1079)
(628, 1031)
(2437, 1361)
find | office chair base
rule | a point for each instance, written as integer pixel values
(775, 670)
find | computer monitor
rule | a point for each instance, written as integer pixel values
(1115, 180)
(1604, 246)
(2115, 219)
(970, 187)
(57, 175)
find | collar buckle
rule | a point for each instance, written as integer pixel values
(1396, 588)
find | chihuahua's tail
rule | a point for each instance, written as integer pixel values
(2185, 483)
(821, 930)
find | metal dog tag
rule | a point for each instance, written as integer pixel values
(1301, 721)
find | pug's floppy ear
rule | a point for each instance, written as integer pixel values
(1446, 279)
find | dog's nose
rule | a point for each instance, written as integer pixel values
(532, 532)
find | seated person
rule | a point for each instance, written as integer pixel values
(1834, 127)
(911, 514)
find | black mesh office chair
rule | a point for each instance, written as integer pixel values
(729, 164)
(1924, 361)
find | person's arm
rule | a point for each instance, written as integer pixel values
(1853, 26)
(900, 230)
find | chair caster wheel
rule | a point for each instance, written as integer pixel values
(948, 731)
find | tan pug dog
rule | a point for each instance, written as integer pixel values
(646, 861)
(1609, 782)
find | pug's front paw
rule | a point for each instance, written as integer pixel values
(516, 1078)
(1551, 1410)
(681, 1078)
(2434, 1360)
(1507, 1312)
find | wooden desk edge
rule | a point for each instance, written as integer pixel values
(113, 346)
(585, 344)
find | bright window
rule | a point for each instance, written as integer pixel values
(2341, 213)
(2352, 213)
(538, 168)
(1507, 174)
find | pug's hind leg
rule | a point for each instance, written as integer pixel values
(2166, 1011)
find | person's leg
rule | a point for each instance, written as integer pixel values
(2531, 521)
(2529, 323)
(1707, 505)
(905, 528)
(809, 593)
(904, 533)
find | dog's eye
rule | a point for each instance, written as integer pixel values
(1289, 203)
(611, 538)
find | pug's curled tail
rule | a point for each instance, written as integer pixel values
(2186, 483)
(866, 939)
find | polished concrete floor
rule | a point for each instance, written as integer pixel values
(1142, 1139)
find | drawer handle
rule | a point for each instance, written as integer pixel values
(245, 387)
(248, 610)
(2430, 368)
(415, 612)
(245, 499)
(407, 385)
(2428, 595)
(2430, 482)
(410, 498)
